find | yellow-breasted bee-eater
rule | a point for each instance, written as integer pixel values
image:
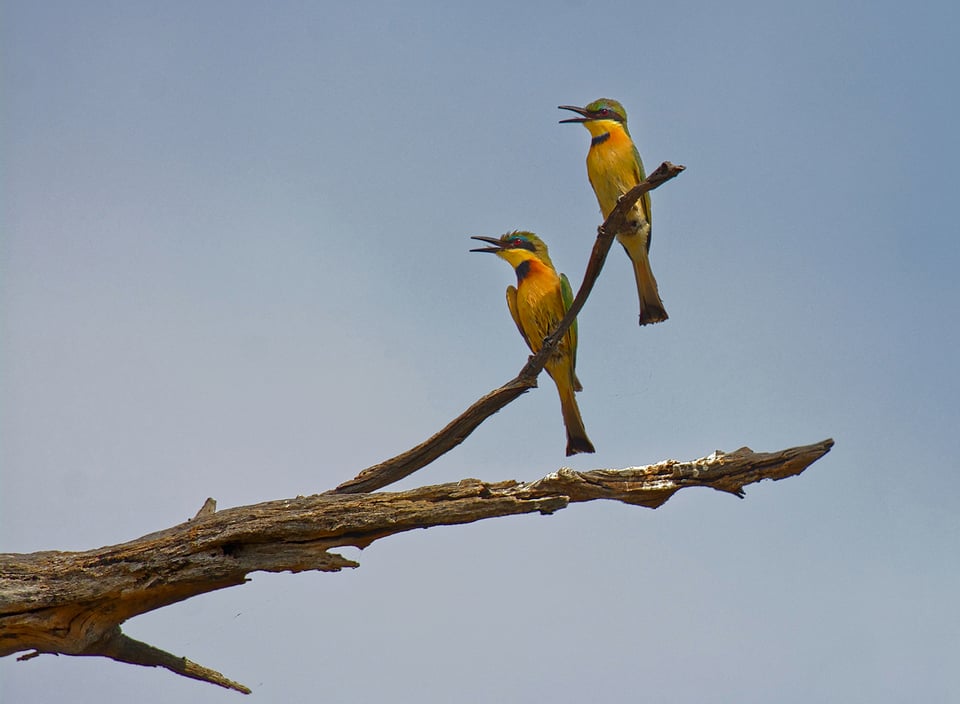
(537, 304)
(614, 167)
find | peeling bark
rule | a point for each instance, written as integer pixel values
(73, 603)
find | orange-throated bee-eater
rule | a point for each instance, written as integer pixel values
(614, 167)
(537, 304)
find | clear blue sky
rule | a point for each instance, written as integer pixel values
(234, 263)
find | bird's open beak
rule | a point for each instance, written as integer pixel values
(497, 244)
(574, 108)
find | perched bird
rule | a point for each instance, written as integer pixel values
(537, 304)
(614, 167)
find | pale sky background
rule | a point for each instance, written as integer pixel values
(235, 264)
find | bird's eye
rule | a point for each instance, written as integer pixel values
(604, 111)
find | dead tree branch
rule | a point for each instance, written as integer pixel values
(73, 603)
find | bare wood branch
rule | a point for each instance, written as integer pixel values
(122, 648)
(459, 429)
(455, 432)
(73, 603)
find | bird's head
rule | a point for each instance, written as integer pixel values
(602, 109)
(515, 247)
(599, 116)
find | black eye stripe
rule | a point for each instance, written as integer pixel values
(608, 113)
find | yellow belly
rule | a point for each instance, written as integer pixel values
(611, 175)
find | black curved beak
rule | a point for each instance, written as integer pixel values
(579, 111)
(497, 244)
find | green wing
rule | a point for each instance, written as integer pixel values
(567, 293)
(512, 305)
(645, 198)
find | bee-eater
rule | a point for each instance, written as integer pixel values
(537, 304)
(614, 167)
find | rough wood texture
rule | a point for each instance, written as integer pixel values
(73, 603)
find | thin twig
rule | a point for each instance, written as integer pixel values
(615, 222)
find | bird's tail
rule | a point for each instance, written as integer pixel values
(651, 307)
(577, 440)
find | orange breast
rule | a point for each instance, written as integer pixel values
(539, 303)
(612, 168)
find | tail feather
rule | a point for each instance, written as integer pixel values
(651, 307)
(577, 440)
(576, 445)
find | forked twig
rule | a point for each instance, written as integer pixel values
(456, 431)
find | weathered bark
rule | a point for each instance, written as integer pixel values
(73, 603)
